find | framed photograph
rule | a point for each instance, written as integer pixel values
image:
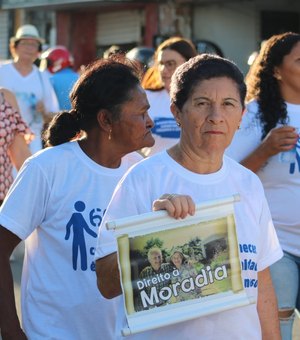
(175, 270)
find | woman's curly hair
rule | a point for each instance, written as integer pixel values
(262, 84)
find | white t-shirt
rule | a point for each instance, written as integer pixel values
(165, 131)
(57, 203)
(29, 90)
(160, 174)
(281, 180)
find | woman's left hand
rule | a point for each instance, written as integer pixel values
(177, 206)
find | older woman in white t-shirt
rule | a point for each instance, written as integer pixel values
(207, 95)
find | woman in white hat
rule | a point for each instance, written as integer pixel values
(34, 92)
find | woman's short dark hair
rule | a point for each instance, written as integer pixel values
(105, 84)
(203, 67)
(261, 81)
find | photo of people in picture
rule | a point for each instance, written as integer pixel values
(164, 271)
(184, 269)
(157, 271)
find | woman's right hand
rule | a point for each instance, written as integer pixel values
(279, 139)
(177, 206)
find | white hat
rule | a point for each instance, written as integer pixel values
(27, 32)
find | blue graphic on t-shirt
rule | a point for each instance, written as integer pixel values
(166, 128)
(79, 224)
(95, 217)
(297, 159)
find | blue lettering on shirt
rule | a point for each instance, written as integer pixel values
(247, 248)
(248, 264)
(166, 128)
(297, 159)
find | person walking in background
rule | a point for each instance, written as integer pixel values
(70, 185)
(32, 88)
(207, 100)
(14, 138)
(168, 56)
(59, 62)
(268, 144)
(143, 56)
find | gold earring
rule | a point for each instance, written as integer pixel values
(109, 134)
(277, 76)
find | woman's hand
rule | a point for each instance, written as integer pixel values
(279, 139)
(177, 206)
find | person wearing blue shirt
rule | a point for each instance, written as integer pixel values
(59, 62)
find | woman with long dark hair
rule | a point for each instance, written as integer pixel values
(268, 144)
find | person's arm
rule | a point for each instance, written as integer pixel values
(278, 140)
(267, 307)
(10, 98)
(9, 322)
(18, 151)
(108, 275)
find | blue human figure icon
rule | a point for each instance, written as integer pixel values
(79, 225)
(297, 158)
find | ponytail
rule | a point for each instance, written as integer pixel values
(63, 127)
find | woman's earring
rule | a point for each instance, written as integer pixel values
(109, 134)
(178, 123)
(277, 76)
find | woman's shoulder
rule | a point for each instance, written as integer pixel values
(252, 107)
(145, 167)
(9, 99)
(54, 154)
(8, 94)
(6, 65)
(240, 173)
(250, 119)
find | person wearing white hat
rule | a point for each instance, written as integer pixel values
(35, 95)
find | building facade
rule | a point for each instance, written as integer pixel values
(232, 28)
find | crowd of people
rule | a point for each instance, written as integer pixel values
(117, 141)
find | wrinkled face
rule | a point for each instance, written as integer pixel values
(210, 116)
(288, 74)
(168, 61)
(155, 260)
(177, 260)
(133, 130)
(27, 49)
